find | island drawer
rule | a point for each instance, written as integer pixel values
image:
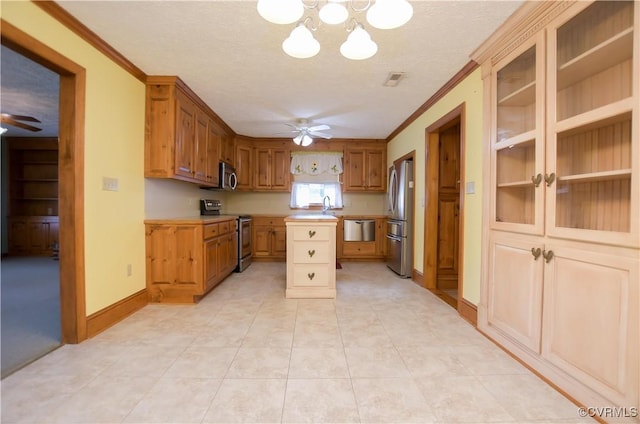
(312, 233)
(311, 253)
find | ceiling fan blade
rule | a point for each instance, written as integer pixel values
(13, 122)
(319, 134)
(20, 117)
(321, 127)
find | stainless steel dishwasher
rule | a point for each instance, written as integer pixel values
(359, 230)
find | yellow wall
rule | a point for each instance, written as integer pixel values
(469, 92)
(114, 147)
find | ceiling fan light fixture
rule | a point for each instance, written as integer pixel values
(298, 139)
(359, 44)
(333, 13)
(389, 14)
(281, 11)
(306, 140)
(300, 43)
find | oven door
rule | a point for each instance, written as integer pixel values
(244, 237)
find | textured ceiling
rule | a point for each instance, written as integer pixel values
(233, 60)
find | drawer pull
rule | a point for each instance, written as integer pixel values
(536, 180)
(311, 253)
(311, 233)
(549, 179)
(547, 255)
(311, 275)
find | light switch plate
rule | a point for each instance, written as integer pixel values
(471, 187)
(109, 184)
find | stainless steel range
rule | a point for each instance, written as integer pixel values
(212, 207)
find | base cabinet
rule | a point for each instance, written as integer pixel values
(269, 238)
(33, 235)
(186, 260)
(311, 257)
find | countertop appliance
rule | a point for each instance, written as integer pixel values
(213, 207)
(399, 231)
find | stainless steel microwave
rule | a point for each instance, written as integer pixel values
(228, 177)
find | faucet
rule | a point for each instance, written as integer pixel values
(326, 204)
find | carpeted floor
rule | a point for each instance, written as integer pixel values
(30, 310)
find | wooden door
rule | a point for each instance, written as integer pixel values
(262, 177)
(188, 254)
(211, 262)
(279, 248)
(213, 154)
(448, 208)
(261, 240)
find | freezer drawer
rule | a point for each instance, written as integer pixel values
(359, 230)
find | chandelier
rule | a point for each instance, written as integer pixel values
(381, 14)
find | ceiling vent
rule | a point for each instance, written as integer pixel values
(393, 79)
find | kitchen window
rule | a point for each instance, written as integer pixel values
(315, 176)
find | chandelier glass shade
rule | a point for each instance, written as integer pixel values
(380, 14)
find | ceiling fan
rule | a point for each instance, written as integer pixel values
(306, 133)
(14, 120)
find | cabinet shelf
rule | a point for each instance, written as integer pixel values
(614, 112)
(618, 174)
(48, 199)
(615, 50)
(37, 180)
(525, 139)
(515, 184)
(521, 97)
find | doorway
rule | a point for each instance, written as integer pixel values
(72, 88)
(444, 199)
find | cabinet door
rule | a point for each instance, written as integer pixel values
(514, 303)
(200, 171)
(355, 170)
(185, 136)
(517, 149)
(262, 240)
(376, 167)
(591, 320)
(279, 246)
(188, 252)
(213, 154)
(592, 144)
(280, 169)
(211, 262)
(262, 176)
(243, 165)
(227, 149)
(53, 235)
(161, 258)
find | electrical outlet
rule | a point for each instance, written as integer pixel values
(109, 184)
(471, 187)
(129, 272)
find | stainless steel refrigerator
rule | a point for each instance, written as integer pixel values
(399, 231)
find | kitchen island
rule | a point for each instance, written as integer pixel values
(311, 256)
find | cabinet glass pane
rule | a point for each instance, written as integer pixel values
(594, 58)
(515, 190)
(516, 96)
(594, 176)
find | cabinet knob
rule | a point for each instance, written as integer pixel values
(311, 233)
(536, 251)
(549, 178)
(311, 275)
(311, 253)
(536, 180)
(547, 255)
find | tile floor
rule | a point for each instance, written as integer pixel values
(385, 351)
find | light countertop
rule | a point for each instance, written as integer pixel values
(310, 217)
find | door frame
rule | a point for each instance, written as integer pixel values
(432, 157)
(70, 175)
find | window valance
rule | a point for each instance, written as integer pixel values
(316, 163)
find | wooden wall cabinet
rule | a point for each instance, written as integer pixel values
(182, 138)
(186, 259)
(365, 169)
(269, 238)
(272, 168)
(561, 283)
(227, 149)
(32, 195)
